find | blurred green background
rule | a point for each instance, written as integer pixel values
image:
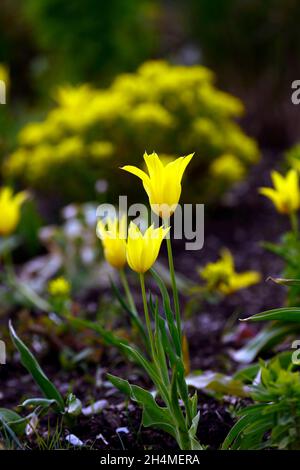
(93, 84)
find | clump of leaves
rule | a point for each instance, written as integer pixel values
(273, 421)
(284, 323)
(69, 408)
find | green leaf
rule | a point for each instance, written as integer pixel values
(167, 342)
(175, 403)
(8, 433)
(193, 404)
(217, 383)
(266, 338)
(30, 363)
(285, 282)
(30, 296)
(108, 336)
(285, 314)
(147, 366)
(247, 374)
(168, 312)
(255, 410)
(158, 342)
(183, 388)
(16, 423)
(127, 349)
(35, 402)
(74, 405)
(8, 244)
(195, 444)
(153, 414)
(235, 432)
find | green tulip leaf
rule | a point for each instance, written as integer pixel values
(31, 364)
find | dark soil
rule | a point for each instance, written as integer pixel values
(241, 223)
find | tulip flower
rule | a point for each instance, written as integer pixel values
(286, 194)
(142, 252)
(113, 237)
(163, 183)
(163, 186)
(10, 210)
(143, 249)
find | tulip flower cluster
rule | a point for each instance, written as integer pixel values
(164, 363)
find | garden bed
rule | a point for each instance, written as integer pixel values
(240, 225)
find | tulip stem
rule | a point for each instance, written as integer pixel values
(127, 291)
(174, 285)
(294, 223)
(8, 264)
(147, 317)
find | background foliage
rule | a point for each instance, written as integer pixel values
(175, 109)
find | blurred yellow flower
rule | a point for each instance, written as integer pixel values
(59, 287)
(10, 210)
(151, 114)
(168, 106)
(143, 249)
(228, 167)
(113, 236)
(163, 184)
(286, 194)
(101, 149)
(222, 277)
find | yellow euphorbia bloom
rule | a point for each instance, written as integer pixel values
(163, 183)
(59, 287)
(113, 237)
(10, 210)
(286, 194)
(222, 277)
(143, 249)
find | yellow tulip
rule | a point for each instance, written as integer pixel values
(286, 194)
(10, 210)
(143, 249)
(113, 237)
(163, 183)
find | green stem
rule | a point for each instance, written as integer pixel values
(8, 265)
(147, 317)
(174, 285)
(294, 223)
(127, 291)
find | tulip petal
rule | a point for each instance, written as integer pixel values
(154, 165)
(179, 165)
(137, 172)
(278, 180)
(274, 196)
